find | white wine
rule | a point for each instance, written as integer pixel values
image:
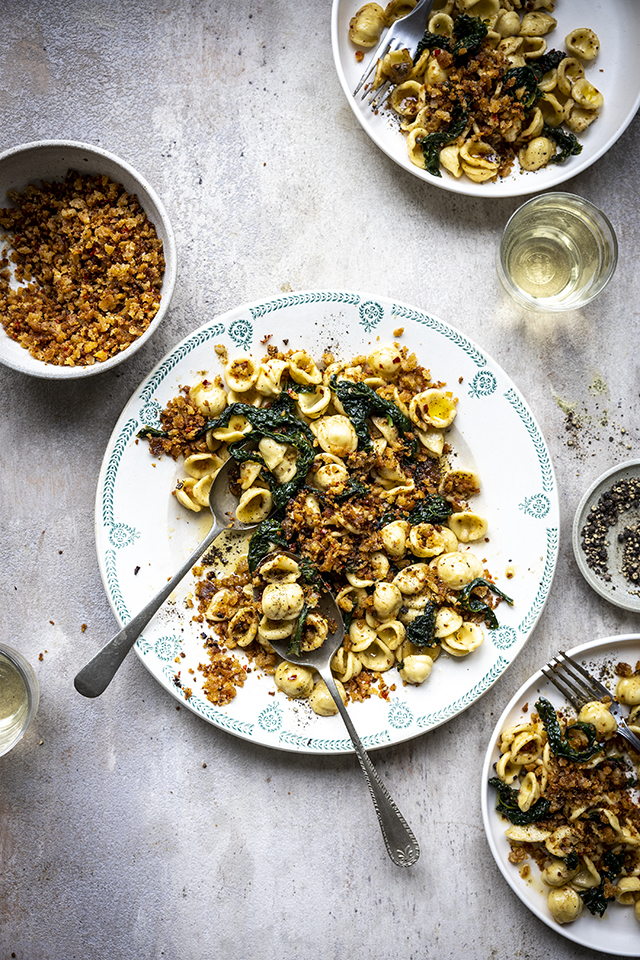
(18, 699)
(557, 253)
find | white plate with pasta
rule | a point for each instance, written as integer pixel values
(613, 72)
(617, 931)
(143, 533)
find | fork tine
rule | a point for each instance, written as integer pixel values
(381, 50)
(391, 47)
(593, 686)
(559, 684)
(381, 95)
(389, 38)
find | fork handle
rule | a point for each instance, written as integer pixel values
(398, 836)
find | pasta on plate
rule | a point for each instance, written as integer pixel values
(484, 88)
(347, 465)
(568, 788)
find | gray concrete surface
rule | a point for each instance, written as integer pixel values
(115, 840)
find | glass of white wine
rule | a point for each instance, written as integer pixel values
(558, 252)
(19, 697)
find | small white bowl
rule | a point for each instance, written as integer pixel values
(617, 590)
(48, 160)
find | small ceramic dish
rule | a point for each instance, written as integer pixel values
(617, 589)
(50, 160)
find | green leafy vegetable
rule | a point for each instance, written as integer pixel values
(572, 861)
(433, 509)
(468, 34)
(524, 87)
(431, 41)
(360, 401)
(277, 422)
(311, 575)
(151, 432)
(292, 387)
(548, 60)
(421, 630)
(567, 143)
(467, 601)
(614, 862)
(433, 143)
(280, 416)
(594, 898)
(507, 805)
(294, 644)
(353, 488)
(560, 744)
(268, 533)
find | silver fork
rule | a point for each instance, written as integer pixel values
(404, 33)
(580, 687)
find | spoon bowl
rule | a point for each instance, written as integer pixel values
(97, 674)
(399, 839)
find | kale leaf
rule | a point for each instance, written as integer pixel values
(525, 85)
(421, 630)
(354, 488)
(268, 533)
(360, 401)
(433, 143)
(293, 650)
(548, 60)
(467, 601)
(572, 861)
(311, 575)
(151, 432)
(277, 422)
(561, 746)
(594, 898)
(468, 34)
(567, 143)
(280, 416)
(433, 509)
(507, 805)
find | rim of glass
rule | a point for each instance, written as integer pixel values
(27, 673)
(609, 236)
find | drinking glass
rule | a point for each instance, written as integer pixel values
(19, 697)
(558, 252)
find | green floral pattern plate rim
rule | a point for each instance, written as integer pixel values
(142, 533)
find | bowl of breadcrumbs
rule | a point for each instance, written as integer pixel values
(87, 260)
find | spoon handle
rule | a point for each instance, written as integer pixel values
(398, 836)
(97, 674)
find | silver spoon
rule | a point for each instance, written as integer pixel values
(398, 836)
(97, 674)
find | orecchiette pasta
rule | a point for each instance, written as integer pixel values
(345, 465)
(241, 374)
(294, 680)
(486, 89)
(564, 785)
(583, 43)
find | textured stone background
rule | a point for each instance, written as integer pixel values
(115, 841)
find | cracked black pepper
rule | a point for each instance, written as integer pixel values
(623, 496)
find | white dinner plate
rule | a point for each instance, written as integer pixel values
(143, 535)
(618, 931)
(615, 72)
